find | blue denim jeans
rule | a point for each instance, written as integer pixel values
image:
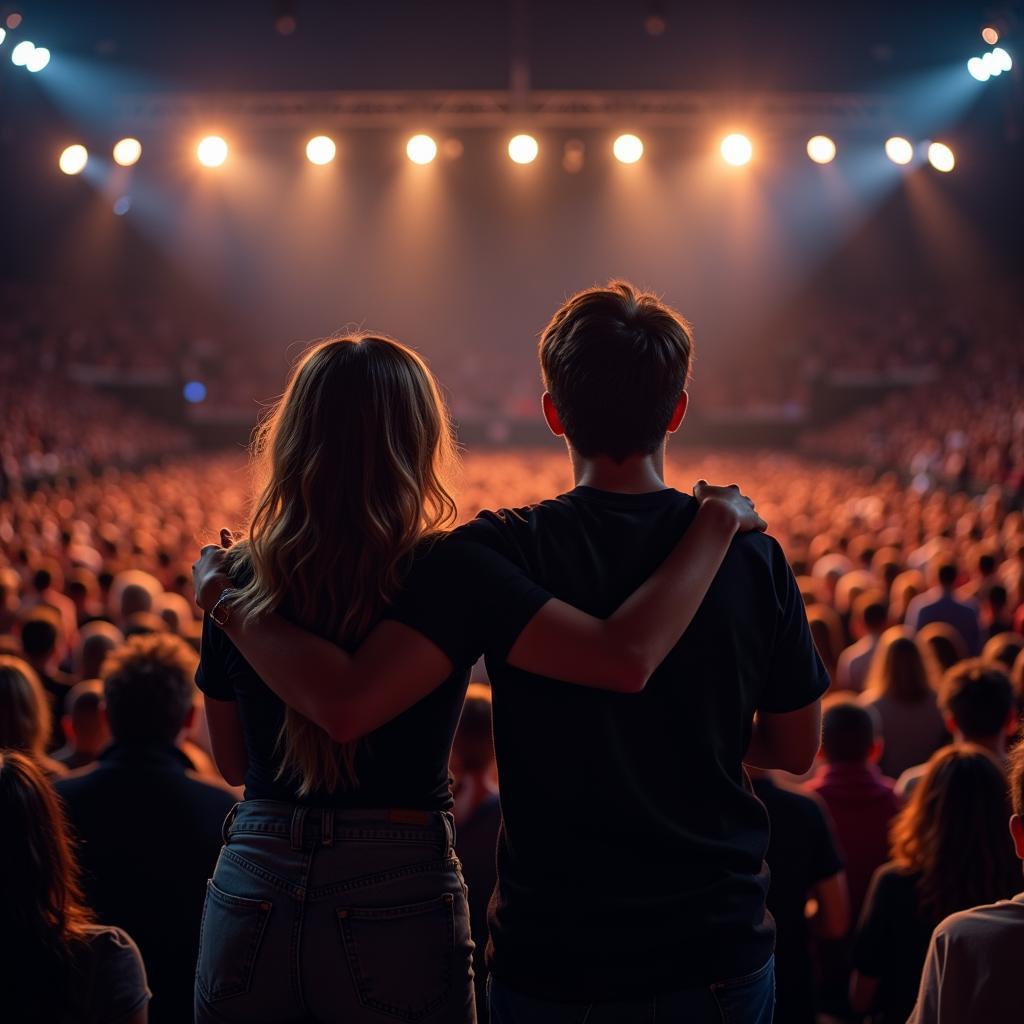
(747, 1000)
(329, 915)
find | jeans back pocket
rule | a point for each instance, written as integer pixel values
(229, 942)
(401, 958)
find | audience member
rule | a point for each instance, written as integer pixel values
(25, 713)
(900, 691)
(941, 647)
(950, 851)
(96, 640)
(995, 616)
(58, 965)
(1003, 648)
(805, 865)
(860, 799)
(477, 819)
(40, 640)
(972, 968)
(84, 725)
(870, 617)
(977, 699)
(940, 604)
(149, 829)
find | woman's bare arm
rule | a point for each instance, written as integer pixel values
(395, 667)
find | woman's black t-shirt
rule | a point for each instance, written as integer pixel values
(402, 764)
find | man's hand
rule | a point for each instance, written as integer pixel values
(209, 579)
(730, 499)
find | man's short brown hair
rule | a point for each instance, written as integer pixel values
(615, 361)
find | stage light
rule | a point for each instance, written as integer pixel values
(3, 35)
(736, 150)
(320, 150)
(421, 149)
(122, 204)
(940, 156)
(821, 149)
(194, 391)
(1002, 59)
(74, 159)
(21, 53)
(127, 152)
(212, 151)
(523, 149)
(992, 64)
(990, 35)
(628, 149)
(13, 19)
(899, 150)
(976, 66)
(37, 59)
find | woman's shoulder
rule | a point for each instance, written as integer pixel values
(111, 960)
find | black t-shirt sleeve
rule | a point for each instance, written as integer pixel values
(796, 675)
(467, 597)
(212, 677)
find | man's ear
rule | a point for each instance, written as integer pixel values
(1012, 722)
(875, 753)
(678, 413)
(554, 421)
(1017, 833)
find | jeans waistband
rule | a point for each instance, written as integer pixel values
(305, 826)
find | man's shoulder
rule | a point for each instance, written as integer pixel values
(977, 925)
(80, 780)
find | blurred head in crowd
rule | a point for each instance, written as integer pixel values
(941, 647)
(850, 732)
(952, 833)
(977, 698)
(615, 363)
(148, 689)
(10, 598)
(24, 709)
(84, 722)
(40, 637)
(1004, 648)
(96, 640)
(897, 668)
(870, 614)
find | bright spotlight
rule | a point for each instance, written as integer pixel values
(821, 149)
(628, 149)
(74, 159)
(3, 35)
(990, 35)
(421, 149)
(212, 151)
(21, 53)
(899, 150)
(737, 150)
(1002, 59)
(976, 66)
(940, 156)
(523, 149)
(992, 64)
(320, 150)
(37, 59)
(127, 152)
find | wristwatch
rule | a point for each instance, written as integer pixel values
(221, 610)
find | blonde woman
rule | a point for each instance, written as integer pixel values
(338, 895)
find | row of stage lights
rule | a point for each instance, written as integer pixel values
(735, 149)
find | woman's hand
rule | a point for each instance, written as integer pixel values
(730, 500)
(209, 580)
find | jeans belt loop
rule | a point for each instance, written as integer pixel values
(298, 817)
(327, 826)
(229, 820)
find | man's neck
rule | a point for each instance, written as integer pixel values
(638, 474)
(995, 745)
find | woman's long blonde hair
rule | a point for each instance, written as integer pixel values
(897, 669)
(352, 462)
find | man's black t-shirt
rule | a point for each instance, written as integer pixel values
(631, 857)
